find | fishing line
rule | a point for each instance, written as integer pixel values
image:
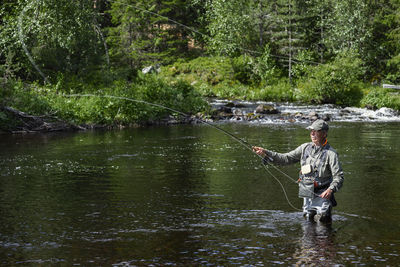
(241, 141)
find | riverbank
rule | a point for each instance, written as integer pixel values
(220, 111)
(109, 102)
(106, 104)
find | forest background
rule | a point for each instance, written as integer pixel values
(312, 51)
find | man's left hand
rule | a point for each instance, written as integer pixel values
(327, 193)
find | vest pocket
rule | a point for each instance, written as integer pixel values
(306, 187)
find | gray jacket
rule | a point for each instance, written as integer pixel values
(330, 167)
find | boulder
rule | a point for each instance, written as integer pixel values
(326, 117)
(313, 116)
(225, 109)
(266, 109)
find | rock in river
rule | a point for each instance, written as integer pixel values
(266, 109)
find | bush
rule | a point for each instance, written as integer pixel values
(336, 83)
(212, 70)
(101, 109)
(379, 97)
(243, 69)
(24, 97)
(180, 96)
(227, 78)
(281, 91)
(264, 70)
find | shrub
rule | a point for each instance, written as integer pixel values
(379, 97)
(281, 91)
(337, 82)
(40, 100)
(243, 69)
(264, 70)
(212, 70)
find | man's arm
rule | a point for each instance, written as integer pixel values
(337, 176)
(281, 158)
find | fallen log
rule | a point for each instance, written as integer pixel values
(26, 123)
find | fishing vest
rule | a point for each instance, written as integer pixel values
(310, 171)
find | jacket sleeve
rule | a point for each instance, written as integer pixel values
(337, 172)
(286, 158)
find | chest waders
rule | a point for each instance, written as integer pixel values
(311, 186)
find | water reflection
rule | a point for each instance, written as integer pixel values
(316, 246)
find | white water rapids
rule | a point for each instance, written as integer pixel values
(294, 112)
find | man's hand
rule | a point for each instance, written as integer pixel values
(327, 193)
(260, 151)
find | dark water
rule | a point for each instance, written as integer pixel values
(189, 195)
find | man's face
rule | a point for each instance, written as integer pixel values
(318, 137)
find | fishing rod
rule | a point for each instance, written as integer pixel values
(239, 140)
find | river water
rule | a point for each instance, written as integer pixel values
(190, 195)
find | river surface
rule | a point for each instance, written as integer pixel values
(190, 195)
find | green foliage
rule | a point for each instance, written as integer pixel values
(213, 76)
(210, 70)
(256, 71)
(228, 25)
(143, 32)
(179, 96)
(379, 97)
(243, 69)
(393, 64)
(54, 35)
(303, 63)
(336, 82)
(349, 26)
(265, 68)
(35, 99)
(261, 41)
(280, 91)
(23, 97)
(242, 77)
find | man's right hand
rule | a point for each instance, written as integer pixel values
(260, 151)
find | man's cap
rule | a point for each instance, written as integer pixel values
(318, 125)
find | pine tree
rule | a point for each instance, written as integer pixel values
(149, 31)
(286, 32)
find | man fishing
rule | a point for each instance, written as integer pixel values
(321, 173)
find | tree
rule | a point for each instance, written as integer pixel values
(229, 26)
(348, 26)
(393, 64)
(56, 36)
(287, 35)
(149, 31)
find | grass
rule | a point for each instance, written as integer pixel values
(39, 100)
